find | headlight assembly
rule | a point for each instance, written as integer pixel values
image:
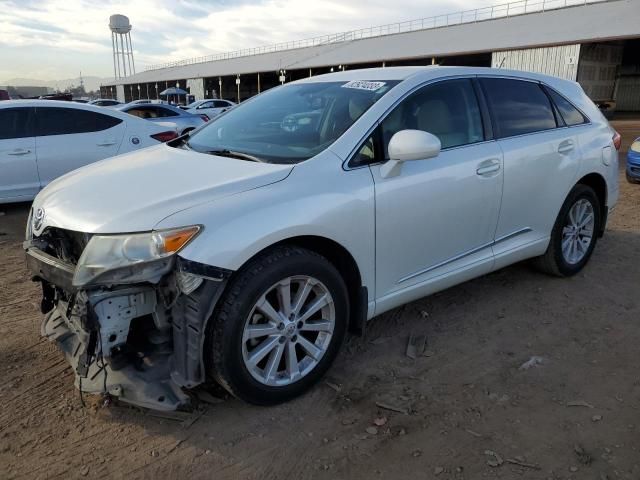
(131, 258)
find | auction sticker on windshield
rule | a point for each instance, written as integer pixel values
(364, 85)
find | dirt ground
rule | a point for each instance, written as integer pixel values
(465, 410)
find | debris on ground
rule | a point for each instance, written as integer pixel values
(393, 408)
(522, 463)
(372, 430)
(380, 421)
(416, 453)
(583, 456)
(532, 362)
(579, 403)
(596, 418)
(334, 386)
(494, 460)
(416, 345)
(438, 470)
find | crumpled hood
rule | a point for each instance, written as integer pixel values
(133, 192)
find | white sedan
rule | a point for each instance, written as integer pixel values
(41, 140)
(211, 108)
(244, 252)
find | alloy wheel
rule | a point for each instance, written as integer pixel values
(577, 234)
(288, 330)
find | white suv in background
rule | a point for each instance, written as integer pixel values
(211, 108)
(43, 139)
(244, 252)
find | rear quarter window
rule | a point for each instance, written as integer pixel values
(570, 114)
(518, 107)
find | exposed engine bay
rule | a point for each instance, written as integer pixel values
(140, 343)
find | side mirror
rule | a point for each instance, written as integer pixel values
(409, 145)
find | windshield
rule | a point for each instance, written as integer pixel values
(292, 123)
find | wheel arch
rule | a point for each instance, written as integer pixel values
(346, 265)
(599, 185)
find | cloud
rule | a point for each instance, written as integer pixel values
(73, 35)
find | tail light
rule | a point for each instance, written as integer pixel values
(204, 117)
(165, 136)
(617, 140)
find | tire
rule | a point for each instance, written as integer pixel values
(229, 354)
(560, 263)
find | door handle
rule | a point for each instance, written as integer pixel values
(565, 147)
(488, 167)
(19, 152)
(106, 143)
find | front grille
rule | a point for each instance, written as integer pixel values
(65, 245)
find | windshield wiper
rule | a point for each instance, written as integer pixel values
(234, 154)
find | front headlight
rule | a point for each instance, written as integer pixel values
(130, 258)
(635, 146)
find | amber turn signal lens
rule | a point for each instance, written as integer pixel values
(174, 240)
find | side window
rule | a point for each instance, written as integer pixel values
(518, 106)
(220, 104)
(570, 114)
(65, 121)
(15, 123)
(164, 112)
(449, 110)
(206, 105)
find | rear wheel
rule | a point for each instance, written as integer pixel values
(574, 234)
(278, 327)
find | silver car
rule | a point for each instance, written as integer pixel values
(184, 121)
(211, 108)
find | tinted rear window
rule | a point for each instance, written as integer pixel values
(65, 121)
(15, 123)
(570, 114)
(518, 107)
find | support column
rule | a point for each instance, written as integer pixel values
(196, 87)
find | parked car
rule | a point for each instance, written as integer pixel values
(105, 102)
(41, 140)
(4, 95)
(244, 252)
(211, 108)
(633, 162)
(184, 121)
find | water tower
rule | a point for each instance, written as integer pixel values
(123, 64)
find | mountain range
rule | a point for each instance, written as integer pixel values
(90, 82)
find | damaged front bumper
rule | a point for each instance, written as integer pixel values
(139, 343)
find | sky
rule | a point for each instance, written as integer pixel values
(53, 39)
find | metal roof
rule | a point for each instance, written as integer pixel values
(587, 22)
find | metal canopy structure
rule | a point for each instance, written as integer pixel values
(602, 20)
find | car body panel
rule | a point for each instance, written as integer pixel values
(633, 163)
(152, 185)
(19, 179)
(212, 111)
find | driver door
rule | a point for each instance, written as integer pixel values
(436, 218)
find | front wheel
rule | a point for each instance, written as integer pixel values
(278, 326)
(574, 234)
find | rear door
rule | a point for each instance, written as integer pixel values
(541, 159)
(69, 138)
(18, 168)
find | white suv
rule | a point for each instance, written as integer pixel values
(244, 252)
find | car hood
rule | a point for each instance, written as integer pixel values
(133, 192)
